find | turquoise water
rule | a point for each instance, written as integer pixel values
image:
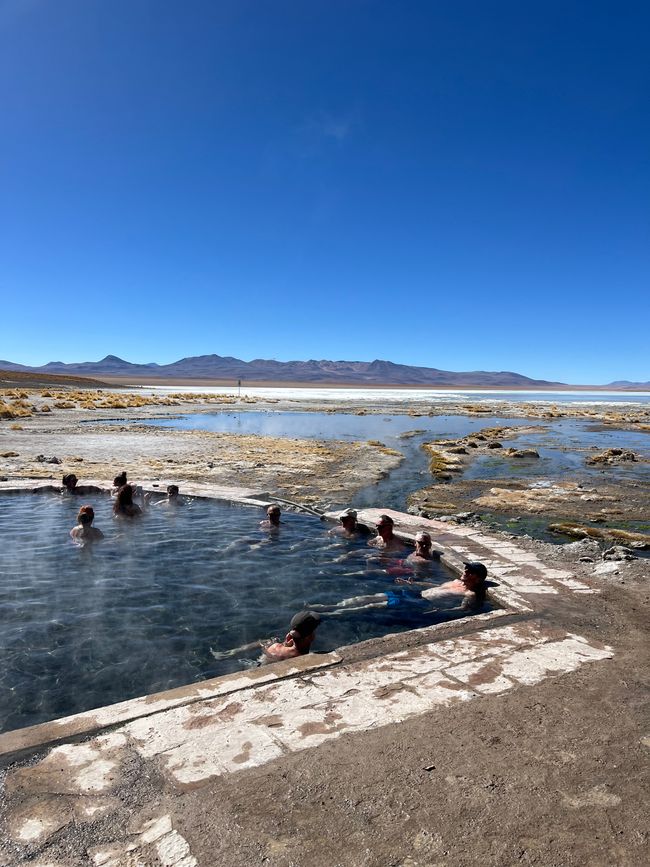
(141, 611)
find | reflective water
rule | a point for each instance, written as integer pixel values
(140, 611)
(563, 445)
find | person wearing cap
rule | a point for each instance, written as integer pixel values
(348, 525)
(385, 539)
(297, 641)
(302, 631)
(273, 514)
(470, 586)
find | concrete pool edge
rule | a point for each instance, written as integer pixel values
(520, 575)
(93, 722)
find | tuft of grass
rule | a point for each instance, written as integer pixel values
(13, 411)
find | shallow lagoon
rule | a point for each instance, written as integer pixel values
(563, 444)
(140, 612)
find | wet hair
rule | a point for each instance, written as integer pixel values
(67, 479)
(172, 489)
(385, 519)
(123, 499)
(86, 515)
(120, 481)
(423, 537)
(274, 510)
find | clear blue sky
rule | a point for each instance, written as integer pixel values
(463, 185)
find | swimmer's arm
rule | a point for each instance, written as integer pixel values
(411, 582)
(236, 651)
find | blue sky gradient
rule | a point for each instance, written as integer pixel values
(456, 184)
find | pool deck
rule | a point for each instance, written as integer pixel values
(135, 783)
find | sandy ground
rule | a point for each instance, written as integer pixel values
(553, 774)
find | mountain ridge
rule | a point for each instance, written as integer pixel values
(313, 371)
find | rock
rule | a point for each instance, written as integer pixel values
(525, 453)
(586, 560)
(640, 546)
(494, 445)
(9, 455)
(612, 456)
(618, 553)
(606, 569)
(461, 517)
(472, 445)
(53, 460)
(458, 450)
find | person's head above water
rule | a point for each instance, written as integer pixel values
(348, 519)
(303, 625)
(86, 516)
(474, 575)
(70, 481)
(423, 540)
(172, 491)
(120, 481)
(273, 513)
(385, 526)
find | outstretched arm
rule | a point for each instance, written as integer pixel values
(236, 651)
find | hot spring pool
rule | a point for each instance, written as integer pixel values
(140, 612)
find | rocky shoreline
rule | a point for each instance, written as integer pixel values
(37, 426)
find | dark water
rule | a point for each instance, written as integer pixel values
(139, 612)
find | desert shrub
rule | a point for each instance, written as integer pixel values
(12, 411)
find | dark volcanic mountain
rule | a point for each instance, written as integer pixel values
(216, 367)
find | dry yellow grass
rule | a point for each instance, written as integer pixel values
(13, 410)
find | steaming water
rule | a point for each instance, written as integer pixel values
(139, 612)
(563, 445)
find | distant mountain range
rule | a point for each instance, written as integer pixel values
(219, 368)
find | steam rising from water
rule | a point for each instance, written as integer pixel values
(139, 612)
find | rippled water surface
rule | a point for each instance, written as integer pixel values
(140, 611)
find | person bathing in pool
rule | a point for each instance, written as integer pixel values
(385, 540)
(349, 527)
(123, 505)
(298, 641)
(172, 499)
(469, 588)
(71, 486)
(272, 522)
(84, 532)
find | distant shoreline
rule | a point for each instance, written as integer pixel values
(256, 383)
